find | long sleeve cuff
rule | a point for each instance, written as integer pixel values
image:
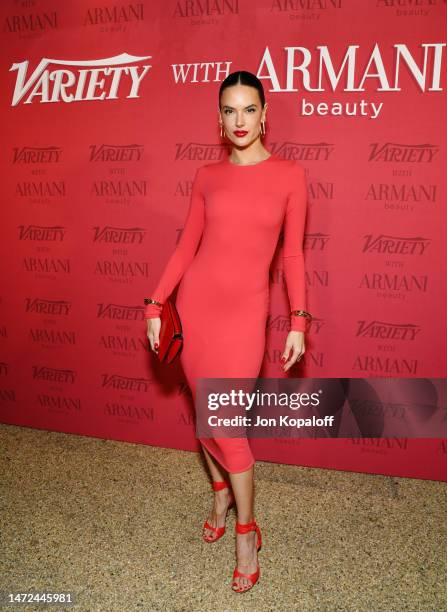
(298, 323)
(152, 311)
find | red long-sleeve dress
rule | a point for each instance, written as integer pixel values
(223, 298)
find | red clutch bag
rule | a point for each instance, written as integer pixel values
(171, 336)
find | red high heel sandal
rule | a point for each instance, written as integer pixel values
(253, 578)
(218, 531)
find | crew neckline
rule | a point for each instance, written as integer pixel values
(228, 160)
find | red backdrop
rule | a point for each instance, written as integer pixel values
(109, 108)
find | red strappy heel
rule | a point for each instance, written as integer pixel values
(253, 578)
(218, 531)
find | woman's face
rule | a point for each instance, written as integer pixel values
(241, 114)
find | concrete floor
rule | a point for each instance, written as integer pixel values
(120, 525)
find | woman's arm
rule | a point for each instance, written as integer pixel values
(184, 251)
(293, 256)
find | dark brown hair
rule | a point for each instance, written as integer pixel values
(242, 77)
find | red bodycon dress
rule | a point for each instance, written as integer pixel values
(223, 298)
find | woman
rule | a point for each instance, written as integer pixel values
(239, 205)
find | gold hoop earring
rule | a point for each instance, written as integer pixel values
(262, 128)
(221, 130)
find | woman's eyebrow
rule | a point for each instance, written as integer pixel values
(226, 106)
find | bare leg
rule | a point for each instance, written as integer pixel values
(216, 470)
(221, 498)
(246, 553)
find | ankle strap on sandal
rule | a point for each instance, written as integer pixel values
(246, 527)
(218, 485)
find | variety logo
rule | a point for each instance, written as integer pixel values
(48, 307)
(395, 245)
(395, 153)
(316, 151)
(383, 330)
(125, 383)
(79, 80)
(54, 374)
(37, 155)
(120, 312)
(116, 153)
(42, 233)
(119, 235)
(193, 151)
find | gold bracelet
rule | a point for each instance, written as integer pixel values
(300, 313)
(151, 301)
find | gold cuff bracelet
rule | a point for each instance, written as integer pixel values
(300, 313)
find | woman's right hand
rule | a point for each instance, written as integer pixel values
(153, 333)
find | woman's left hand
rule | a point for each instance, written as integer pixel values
(294, 350)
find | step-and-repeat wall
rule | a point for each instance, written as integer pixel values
(107, 111)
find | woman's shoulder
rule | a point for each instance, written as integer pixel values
(285, 170)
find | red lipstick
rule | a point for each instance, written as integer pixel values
(240, 133)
